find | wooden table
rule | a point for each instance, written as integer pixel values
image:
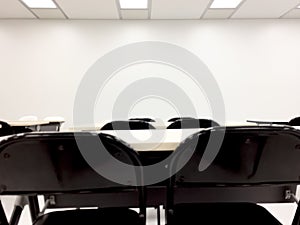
(159, 125)
(153, 140)
(97, 126)
(19, 123)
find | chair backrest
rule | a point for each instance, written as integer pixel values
(127, 125)
(42, 163)
(180, 118)
(192, 123)
(52, 164)
(5, 129)
(294, 122)
(145, 119)
(250, 162)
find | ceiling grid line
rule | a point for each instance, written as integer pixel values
(288, 11)
(237, 8)
(62, 11)
(149, 9)
(119, 9)
(29, 9)
(206, 9)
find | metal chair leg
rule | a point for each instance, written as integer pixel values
(20, 203)
(33, 207)
(296, 220)
(158, 215)
(3, 219)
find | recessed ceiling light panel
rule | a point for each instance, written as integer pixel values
(40, 4)
(225, 4)
(133, 4)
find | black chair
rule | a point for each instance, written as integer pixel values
(192, 123)
(294, 122)
(180, 118)
(5, 129)
(127, 125)
(253, 165)
(148, 120)
(52, 165)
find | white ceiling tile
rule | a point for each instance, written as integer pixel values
(218, 13)
(14, 9)
(178, 9)
(293, 14)
(264, 8)
(49, 13)
(130, 14)
(89, 9)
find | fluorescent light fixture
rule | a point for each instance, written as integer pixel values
(40, 4)
(133, 4)
(298, 7)
(225, 4)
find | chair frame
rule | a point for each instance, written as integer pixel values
(30, 197)
(223, 192)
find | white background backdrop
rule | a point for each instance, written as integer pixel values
(256, 63)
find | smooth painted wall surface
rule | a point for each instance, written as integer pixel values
(255, 62)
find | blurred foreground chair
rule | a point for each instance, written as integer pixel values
(223, 185)
(56, 168)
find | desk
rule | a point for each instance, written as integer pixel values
(159, 125)
(149, 140)
(20, 126)
(153, 140)
(18, 123)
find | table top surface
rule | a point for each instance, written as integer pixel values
(20, 123)
(153, 140)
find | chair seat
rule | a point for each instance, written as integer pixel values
(108, 216)
(223, 213)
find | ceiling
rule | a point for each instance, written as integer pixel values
(157, 9)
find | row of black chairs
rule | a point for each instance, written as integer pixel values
(253, 165)
(292, 122)
(147, 119)
(143, 124)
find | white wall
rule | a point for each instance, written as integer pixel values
(255, 62)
